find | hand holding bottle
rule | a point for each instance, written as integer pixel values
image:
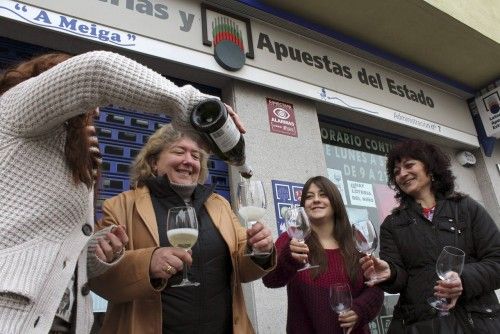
(222, 129)
(237, 120)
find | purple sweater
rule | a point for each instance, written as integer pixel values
(308, 300)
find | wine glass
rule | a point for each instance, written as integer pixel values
(366, 241)
(451, 260)
(182, 231)
(340, 299)
(298, 227)
(251, 205)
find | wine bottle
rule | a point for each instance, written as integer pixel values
(212, 120)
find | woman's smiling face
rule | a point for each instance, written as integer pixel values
(317, 205)
(180, 162)
(411, 177)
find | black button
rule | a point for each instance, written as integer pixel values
(36, 321)
(87, 229)
(64, 264)
(85, 289)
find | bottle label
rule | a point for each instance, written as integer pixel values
(227, 136)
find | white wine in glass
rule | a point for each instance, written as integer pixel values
(340, 298)
(450, 261)
(298, 227)
(182, 232)
(251, 205)
(365, 240)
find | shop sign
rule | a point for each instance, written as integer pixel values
(281, 117)
(192, 33)
(72, 25)
(488, 106)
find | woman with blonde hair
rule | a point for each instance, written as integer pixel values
(168, 172)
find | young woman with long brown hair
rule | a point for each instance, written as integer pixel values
(47, 170)
(330, 245)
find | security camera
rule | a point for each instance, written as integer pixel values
(466, 158)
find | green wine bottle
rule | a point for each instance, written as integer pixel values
(212, 120)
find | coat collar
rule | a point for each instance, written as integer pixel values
(144, 205)
(145, 210)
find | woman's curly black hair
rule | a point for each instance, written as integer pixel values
(435, 161)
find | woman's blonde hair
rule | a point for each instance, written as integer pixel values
(163, 138)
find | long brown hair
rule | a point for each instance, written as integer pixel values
(77, 149)
(342, 231)
(77, 154)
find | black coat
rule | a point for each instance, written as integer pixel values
(195, 310)
(411, 245)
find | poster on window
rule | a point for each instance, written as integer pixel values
(356, 165)
(335, 175)
(285, 195)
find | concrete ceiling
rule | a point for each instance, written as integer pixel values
(410, 33)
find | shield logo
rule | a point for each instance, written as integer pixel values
(230, 37)
(492, 102)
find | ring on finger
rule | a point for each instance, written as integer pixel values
(169, 269)
(118, 252)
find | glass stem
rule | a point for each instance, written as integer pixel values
(306, 260)
(185, 272)
(249, 226)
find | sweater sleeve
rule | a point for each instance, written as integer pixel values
(89, 80)
(129, 278)
(482, 276)
(389, 252)
(368, 304)
(286, 266)
(95, 266)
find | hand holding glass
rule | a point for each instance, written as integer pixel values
(298, 227)
(182, 232)
(251, 205)
(340, 298)
(366, 241)
(451, 260)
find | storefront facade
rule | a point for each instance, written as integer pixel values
(309, 107)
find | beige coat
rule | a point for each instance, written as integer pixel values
(134, 303)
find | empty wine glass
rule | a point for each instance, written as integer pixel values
(449, 262)
(298, 227)
(366, 241)
(251, 205)
(340, 299)
(182, 231)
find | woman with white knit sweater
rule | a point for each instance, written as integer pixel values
(47, 246)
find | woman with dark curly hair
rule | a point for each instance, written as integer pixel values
(431, 215)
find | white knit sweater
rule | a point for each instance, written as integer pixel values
(42, 211)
